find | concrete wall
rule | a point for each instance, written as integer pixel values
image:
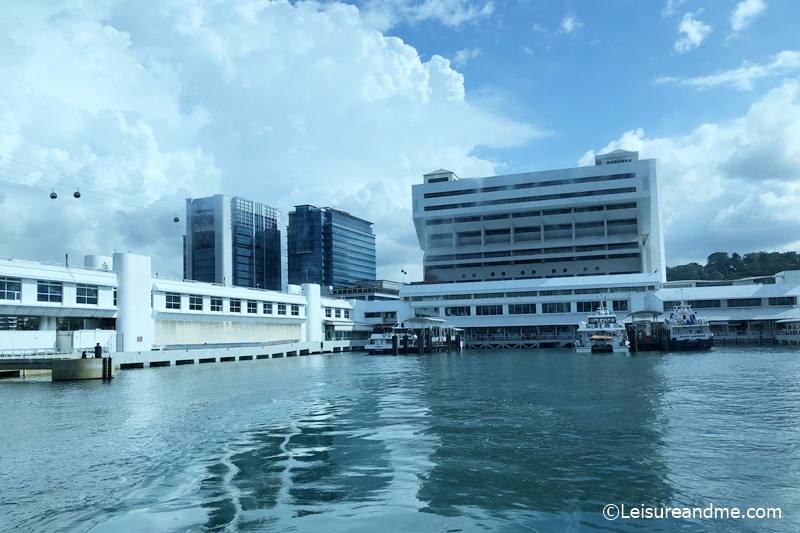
(27, 341)
(135, 318)
(69, 369)
(85, 339)
(156, 358)
(314, 314)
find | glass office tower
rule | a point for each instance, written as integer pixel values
(232, 241)
(329, 247)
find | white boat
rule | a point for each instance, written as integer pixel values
(383, 342)
(379, 343)
(687, 331)
(601, 333)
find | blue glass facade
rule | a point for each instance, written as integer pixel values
(234, 241)
(329, 247)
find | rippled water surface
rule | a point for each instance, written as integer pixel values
(480, 441)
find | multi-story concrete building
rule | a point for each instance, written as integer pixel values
(232, 241)
(329, 247)
(584, 221)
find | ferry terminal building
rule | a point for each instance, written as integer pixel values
(515, 261)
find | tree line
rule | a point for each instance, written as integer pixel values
(722, 266)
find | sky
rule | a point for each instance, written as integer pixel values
(140, 105)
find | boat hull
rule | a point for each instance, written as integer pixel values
(691, 344)
(601, 349)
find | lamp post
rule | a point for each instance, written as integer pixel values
(404, 276)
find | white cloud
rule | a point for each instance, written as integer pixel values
(692, 31)
(570, 23)
(743, 77)
(385, 14)
(463, 56)
(671, 7)
(744, 13)
(277, 102)
(731, 186)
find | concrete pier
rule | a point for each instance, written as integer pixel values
(93, 368)
(59, 368)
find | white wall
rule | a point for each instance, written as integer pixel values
(135, 316)
(11, 341)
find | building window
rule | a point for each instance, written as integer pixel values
(737, 302)
(281, 309)
(780, 300)
(347, 313)
(216, 305)
(484, 310)
(457, 311)
(619, 305)
(173, 300)
(295, 310)
(195, 302)
(10, 288)
(522, 309)
(49, 291)
(86, 294)
(252, 307)
(236, 305)
(337, 313)
(115, 296)
(328, 312)
(267, 308)
(555, 307)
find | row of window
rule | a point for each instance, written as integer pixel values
(47, 291)
(591, 306)
(537, 251)
(529, 309)
(388, 315)
(529, 294)
(336, 312)
(532, 199)
(529, 185)
(536, 213)
(737, 302)
(235, 305)
(505, 233)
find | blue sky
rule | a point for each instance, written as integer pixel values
(143, 104)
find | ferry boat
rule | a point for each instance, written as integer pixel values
(601, 333)
(646, 332)
(687, 331)
(383, 342)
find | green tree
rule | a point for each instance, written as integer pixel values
(718, 266)
(721, 266)
(690, 271)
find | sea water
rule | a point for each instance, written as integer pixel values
(523, 440)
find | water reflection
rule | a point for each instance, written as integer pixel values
(360, 453)
(546, 439)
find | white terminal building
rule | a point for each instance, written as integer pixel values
(513, 261)
(118, 303)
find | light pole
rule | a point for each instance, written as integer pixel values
(404, 276)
